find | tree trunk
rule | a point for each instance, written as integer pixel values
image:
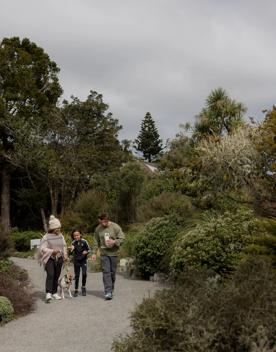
(44, 220)
(5, 201)
(54, 199)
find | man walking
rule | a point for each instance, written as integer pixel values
(108, 239)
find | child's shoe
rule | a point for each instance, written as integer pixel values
(83, 291)
(108, 296)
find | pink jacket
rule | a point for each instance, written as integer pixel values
(48, 244)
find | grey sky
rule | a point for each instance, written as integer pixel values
(162, 56)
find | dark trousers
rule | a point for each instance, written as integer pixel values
(109, 266)
(83, 266)
(53, 269)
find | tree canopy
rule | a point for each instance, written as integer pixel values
(29, 88)
(221, 115)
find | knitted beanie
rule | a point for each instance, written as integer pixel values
(54, 223)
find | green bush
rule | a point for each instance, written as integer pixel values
(5, 265)
(202, 315)
(6, 310)
(215, 243)
(264, 239)
(21, 239)
(152, 245)
(164, 204)
(14, 284)
(131, 238)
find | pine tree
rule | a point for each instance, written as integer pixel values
(148, 140)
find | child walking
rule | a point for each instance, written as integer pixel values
(80, 250)
(53, 252)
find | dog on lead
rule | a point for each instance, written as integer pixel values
(65, 283)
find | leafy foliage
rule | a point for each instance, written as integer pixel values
(266, 143)
(152, 249)
(216, 242)
(199, 314)
(180, 153)
(264, 239)
(29, 88)
(21, 239)
(221, 115)
(84, 213)
(165, 204)
(6, 310)
(14, 281)
(231, 163)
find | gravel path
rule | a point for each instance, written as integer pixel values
(78, 324)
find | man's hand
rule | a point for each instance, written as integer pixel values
(94, 257)
(84, 252)
(110, 243)
(55, 251)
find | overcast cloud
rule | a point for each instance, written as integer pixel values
(161, 56)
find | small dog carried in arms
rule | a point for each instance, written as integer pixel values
(64, 282)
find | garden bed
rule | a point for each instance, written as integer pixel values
(15, 285)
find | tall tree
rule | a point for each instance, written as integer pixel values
(29, 87)
(220, 116)
(148, 140)
(81, 142)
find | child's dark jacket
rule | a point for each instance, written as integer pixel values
(80, 246)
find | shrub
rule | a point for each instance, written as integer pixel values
(131, 238)
(164, 204)
(152, 245)
(230, 162)
(264, 239)
(21, 239)
(215, 243)
(6, 310)
(14, 285)
(196, 316)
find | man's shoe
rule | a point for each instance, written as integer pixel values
(76, 293)
(48, 297)
(83, 291)
(56, 296)
(108, 296)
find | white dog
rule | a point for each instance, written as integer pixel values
(64, 283)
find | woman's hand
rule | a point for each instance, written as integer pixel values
(94, 257)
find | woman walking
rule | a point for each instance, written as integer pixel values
(53, 253)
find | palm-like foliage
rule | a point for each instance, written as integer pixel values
(221, 115)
